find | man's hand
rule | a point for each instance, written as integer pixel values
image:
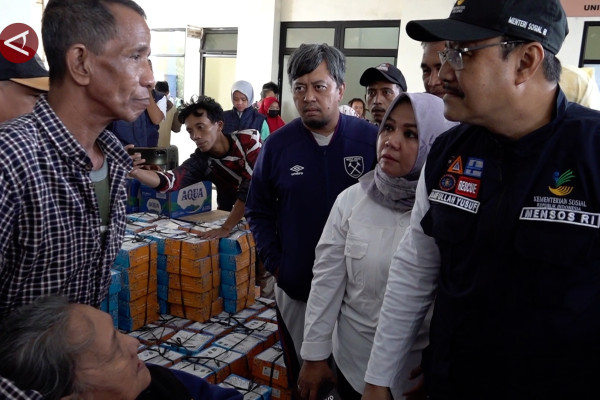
(373, 392)
(136, 158)
(312, 375)
(215, 233)
(417, 392)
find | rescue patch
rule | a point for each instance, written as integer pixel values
(468, 187)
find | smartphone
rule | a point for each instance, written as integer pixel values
(152, 155)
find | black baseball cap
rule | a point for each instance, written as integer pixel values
(383, 72)
(29, 73)
(541, 21)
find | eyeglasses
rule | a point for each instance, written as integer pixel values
(454, 56)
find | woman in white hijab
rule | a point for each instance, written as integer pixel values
(354, 253)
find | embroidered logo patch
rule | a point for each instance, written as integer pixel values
(560, 189)
(447, 182)
(354, 166)
(456, 166)
(474, 167)
(297, 170)
(468, 187)
(560, 208)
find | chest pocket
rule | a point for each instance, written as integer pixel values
(368, 254)
(558, 244)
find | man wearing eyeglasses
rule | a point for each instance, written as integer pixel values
(505, 229)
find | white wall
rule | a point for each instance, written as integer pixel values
(571, 49)
(257, 22)
(24, 11)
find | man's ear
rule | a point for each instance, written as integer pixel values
(341, 89)
(531, 57)
(78, 63)
(220, 125)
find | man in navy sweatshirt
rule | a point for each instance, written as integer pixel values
(299, 173)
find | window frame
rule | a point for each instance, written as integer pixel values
(339, 38)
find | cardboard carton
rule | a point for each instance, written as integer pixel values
(242, 343)
(135, 251)
(191, 299)
(215, 328)
(152, 334)
(136, 321)
(189, 200)
(251, 390)
(195, 368)
(265, 330)
(172, 321)
(188, 342)
(160, 356)
(236, 243)
(189, 246)
(222, 362)
(191, 284)
(232, 292)
(268, 315)
(269, 367)
(190, 267)
(235, 277)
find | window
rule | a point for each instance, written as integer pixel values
(364, 43)
(218, 54)
(168, 54)
(590, 48)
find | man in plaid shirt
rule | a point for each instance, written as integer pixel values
(62, 192)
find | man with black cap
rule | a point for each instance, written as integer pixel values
(505, 228)
(383, 82)
(20, 86)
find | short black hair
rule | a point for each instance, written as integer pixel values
(162, 86)
(214, 111)
(270, 86)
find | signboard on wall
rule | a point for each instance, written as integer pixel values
(581, 8)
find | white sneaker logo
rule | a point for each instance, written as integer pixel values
(297, 170)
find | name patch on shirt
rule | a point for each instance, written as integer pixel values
(572, 217)
(454, 200)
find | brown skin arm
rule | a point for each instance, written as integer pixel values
(176, 125)
(236, 214)
(373, 392)
(140, 172)
(312, 375)
(155, 114)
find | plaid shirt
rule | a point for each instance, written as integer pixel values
(9, 391)
(50, 239)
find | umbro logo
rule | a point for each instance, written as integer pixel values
(297, 170)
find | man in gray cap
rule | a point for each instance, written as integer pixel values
(505, 229)
(383, 82)
(20, 85)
